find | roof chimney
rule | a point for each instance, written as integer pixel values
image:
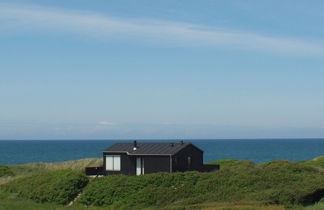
(135, 145)
(172, 144)
(181, 142)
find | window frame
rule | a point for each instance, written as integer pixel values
(113, 162)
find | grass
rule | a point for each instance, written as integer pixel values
(238, 185)
(59, 187)
(35, 168)
(274, 183)
(10, 201)
(317, 162)
(233, 163)
(5, 171)
(317, 206)
(31, 168)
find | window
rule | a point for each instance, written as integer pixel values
(189, 162)
(113, 162)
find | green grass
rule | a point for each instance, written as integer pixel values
(10, 201)
(274, 183)
(5, 171)
(233, 163)
(58, 187)
(32, 168)
(238, 185)
(22, 170)
(317, 206)
(317, 162)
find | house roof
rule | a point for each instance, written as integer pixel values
(149, 148)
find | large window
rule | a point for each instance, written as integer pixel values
(113, 162)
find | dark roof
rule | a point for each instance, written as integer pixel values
(149, 148)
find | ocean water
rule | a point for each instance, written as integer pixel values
(257, 150)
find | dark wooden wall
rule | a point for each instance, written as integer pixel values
(153, 164)
(127, 165)
(180, 160)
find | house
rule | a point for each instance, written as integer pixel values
(145, 158)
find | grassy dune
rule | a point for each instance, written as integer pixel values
(10, 172)
(72, 165)
(239, 184)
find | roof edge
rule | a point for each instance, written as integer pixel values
(189, 145)
(130, 154)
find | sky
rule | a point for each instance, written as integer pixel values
(163, 69)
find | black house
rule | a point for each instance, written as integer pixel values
(145, 158)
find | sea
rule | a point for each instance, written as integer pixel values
(257, 150)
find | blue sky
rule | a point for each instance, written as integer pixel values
(95, 69)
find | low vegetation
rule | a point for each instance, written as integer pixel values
(5, 171)
(16, 171)
(317, 162)
(277, 183)
(233, 164)
(59, 187)
(31, 168)
(238, 185)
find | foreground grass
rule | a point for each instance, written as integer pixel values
(274, 183)
(238, 185)
(317, 206)
(59, 187)
(5, 171)
(12, 202)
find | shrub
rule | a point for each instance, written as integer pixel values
(58, 187)
(5, 171)
(318, 162)
(278, 182)
(233, 163)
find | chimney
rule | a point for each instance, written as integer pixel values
(172, 144)
(135, 145)
(181, 142)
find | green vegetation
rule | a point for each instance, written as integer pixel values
(238, 185)
(32, 168)
(5, 171)
(277, 183)
(35, 168)
(10, 201)
(232, 163)
(58, 187)
(317, 162)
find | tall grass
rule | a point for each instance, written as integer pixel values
(5, 171)
(73, 165)
(58, 187)
(11, 172)
(317, 162)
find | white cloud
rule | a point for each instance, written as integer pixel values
(97, 26)
(105, 123)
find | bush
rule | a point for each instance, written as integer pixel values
(318, 162)
(58, 187)
(232, 163)
(278, 182)
(5, 171)
(123, 191)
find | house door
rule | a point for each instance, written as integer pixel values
(139, 166)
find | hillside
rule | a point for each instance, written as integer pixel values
(238, 185)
